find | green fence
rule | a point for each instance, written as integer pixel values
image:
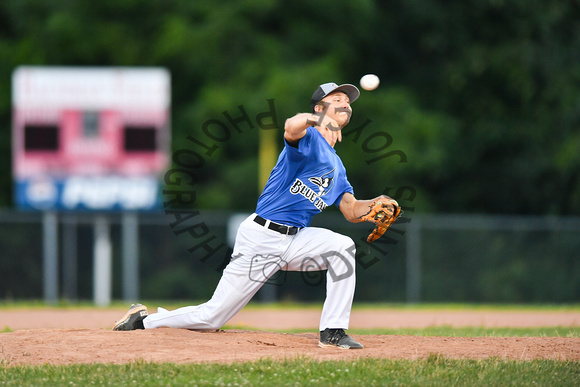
(426, 258)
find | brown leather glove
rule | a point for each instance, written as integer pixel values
(383, 214)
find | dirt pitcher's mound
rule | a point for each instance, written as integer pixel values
(66, 346)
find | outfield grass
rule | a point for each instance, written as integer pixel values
(457, 332)
(303, 371)
(172, 304)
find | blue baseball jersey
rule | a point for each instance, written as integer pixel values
(305, 181)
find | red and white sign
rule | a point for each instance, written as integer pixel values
(105, 127)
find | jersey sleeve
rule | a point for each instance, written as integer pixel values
(304, 146)
(346, 188)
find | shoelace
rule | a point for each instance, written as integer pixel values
(336, 335)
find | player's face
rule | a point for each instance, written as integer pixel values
(336, 114)
(338, 108)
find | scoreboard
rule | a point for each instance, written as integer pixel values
(90, 138)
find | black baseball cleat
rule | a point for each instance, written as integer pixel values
(337, 338)
(133, 319)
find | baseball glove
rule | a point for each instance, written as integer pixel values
(383, 214)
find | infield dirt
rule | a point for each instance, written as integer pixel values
(84, 336)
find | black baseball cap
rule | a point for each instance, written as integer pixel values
(328, 88)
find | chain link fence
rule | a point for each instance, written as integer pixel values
(424, 258)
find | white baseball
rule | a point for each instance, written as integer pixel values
(369, 82)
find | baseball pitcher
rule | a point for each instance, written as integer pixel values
(308, 177)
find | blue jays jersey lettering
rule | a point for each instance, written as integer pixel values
(305, 181)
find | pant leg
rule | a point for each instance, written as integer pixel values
(314, 249)
(226, 301)
(255, 258)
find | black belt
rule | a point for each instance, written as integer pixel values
(286, 230)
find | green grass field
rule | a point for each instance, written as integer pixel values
(172, 304)
(435, 370)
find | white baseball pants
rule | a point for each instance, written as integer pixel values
(258, 254)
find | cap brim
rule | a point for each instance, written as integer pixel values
(350, 90)
(326, 89)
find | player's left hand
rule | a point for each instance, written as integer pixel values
(383, 214)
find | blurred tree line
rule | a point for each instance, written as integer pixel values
(479, 102)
